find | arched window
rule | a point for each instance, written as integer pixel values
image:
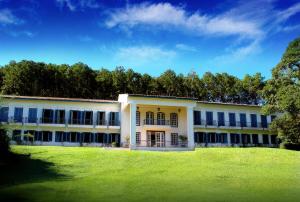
(161, 118)
(149, 118)
(174, 119)
(138, 118)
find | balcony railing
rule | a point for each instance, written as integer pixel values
(114, 123)
(158, 122)
(238, 124)
(165, 144)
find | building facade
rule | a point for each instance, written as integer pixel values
(134, 121)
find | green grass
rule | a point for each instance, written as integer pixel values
(95, 174)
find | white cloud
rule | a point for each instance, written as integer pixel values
(166, 15)
(185, 47)
(74, 5)
(22, 33)
(139, 55)
(7, 17)
(85, 38)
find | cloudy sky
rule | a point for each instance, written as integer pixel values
(237, 37)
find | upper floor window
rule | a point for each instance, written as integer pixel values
(32, 115)
(59, 116)
(264, 122)
(253, 120)
(160, 118)
(197, 117)
(149, 118)
(209, 118)
(232, 121)
(221, 119)
(114, 118)
(88, 118)
(243, 120)
(75, 117)
(3, 114)
(101, 118)
(174, 119)
(47, 116)
(18, 114)
(138, 118)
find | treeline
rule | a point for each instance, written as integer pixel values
(80, 81)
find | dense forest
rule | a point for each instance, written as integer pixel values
(80, 81)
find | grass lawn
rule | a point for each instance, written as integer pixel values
(96, 174)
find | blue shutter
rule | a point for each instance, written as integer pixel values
(232, 119)
(253, 120)
(243, 120)
(4, 114)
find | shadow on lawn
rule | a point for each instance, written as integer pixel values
(17, 169)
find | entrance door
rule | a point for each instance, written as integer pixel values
(156, 139)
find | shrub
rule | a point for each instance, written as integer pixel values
(290, 146)
(4, 143)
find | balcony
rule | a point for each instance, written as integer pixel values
(227, 124)
(157, 122)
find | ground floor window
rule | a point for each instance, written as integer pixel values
(174, 138)
(87, 137)
(265, 139)
(29, 135)
(254, 138)
(222, 138)
(46, 136)
(199, 137)
(273, 139)
(16, 135)
(99, 137)
(235, 138)
(138, 137)
(246, 139)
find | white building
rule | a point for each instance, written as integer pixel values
(135, 121)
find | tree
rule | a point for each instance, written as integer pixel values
(282, 94)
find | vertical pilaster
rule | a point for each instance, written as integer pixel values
(190, 127)
(132, 125)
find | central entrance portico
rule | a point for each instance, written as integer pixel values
(157, 122)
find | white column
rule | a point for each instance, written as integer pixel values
(190, 127)
(132, 125)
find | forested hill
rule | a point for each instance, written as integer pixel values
(80, 81)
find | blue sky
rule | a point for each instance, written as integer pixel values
(237, 37)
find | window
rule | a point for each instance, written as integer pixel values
(199, 137)
(243, 120)
(197, 117)
(235, 138)
(273, 139)
(99, 137)
(253, 120)
(59, 116)
(115, 137)
(18, 114)
(88, 118)
(211, 138)
(114, 118)
(16, 135)
(161, 118)
(264, 123)
(174, 119)
(38, 136)
(221, 119)
(174, 139)
(246, 139)
(59, 136)
(3, 114)
(209, 118)
(66, 137)
(46, 136)
(87, 137)
(138, 138)
(29, 135)
(221, 138)
(47, 116)
(149, 118)
(254, 138)
(32, 115)
(101, 118)
(265, 139)
(75, 117)
(138, 118)
(232, 121)
(73, 137)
